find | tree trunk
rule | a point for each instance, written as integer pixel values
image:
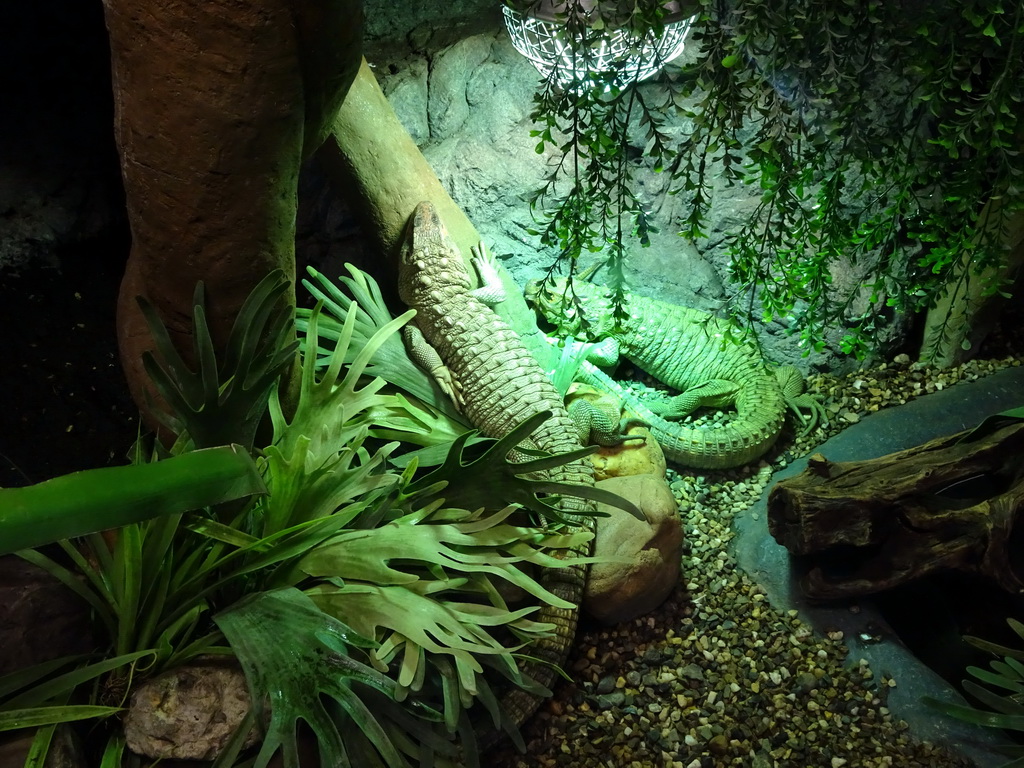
(963, 315)
(216, 104)
(373, 160)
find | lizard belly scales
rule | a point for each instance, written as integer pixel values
(499, 384)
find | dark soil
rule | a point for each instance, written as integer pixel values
(66, 403)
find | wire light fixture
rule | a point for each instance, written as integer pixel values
(579, 41)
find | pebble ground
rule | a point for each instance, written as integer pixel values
(717, 676)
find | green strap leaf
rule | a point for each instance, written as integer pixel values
(61, 685)
(111, 497)
(35, 717)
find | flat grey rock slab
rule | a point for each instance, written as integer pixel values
(961, 406)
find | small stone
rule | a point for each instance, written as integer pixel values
(610, 700)
(719, 744)
(691, 672)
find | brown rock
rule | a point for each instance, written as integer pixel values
(40, 618)
(632, 458)
(188, 713)
(646, 554)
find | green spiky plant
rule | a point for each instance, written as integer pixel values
(346, 557)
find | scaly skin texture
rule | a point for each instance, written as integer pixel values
(497, 384)
(683, 348)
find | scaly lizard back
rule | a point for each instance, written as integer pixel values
(497, 384)
(684, 349)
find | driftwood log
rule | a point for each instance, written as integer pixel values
(867, 526)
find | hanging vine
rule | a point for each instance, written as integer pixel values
(881, 139)
(584, 112)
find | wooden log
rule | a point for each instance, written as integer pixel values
(866, 526)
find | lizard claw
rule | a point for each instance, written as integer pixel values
(449, 385)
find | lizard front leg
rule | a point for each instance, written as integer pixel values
(426, 357)
(713, 393)
(491, 291)
(598, 417)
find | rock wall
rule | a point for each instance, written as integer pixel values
(59, 180)
(465, 95)
(456, 82)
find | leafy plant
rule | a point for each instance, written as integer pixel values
(420, 413)
(95, 500)
(1006, 708)
(883, 143)
(374, 587)
(589, 202)
(223, 402)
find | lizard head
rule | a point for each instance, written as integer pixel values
(430, 267)
(579, 309)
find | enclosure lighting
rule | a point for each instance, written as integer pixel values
(573, 40)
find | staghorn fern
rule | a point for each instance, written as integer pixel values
(401, 559)
(390, 362)
(278, 572)
(423, 415)
(1006, 709)
(311, 677)
(427, 591)
(318, 462)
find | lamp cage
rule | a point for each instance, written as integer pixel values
(574, 55)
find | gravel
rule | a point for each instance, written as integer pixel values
(717, 676)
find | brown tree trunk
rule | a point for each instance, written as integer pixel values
(372, 158)
(216, 105)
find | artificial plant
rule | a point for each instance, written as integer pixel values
(322, 587)
(1002, 693)
(95, 500)
(883, 141)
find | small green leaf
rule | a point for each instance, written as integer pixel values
(730, 61)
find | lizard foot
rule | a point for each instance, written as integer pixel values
(449, 385)
(597, 426)
(713, 393)
(491, 291)
(792, 385)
